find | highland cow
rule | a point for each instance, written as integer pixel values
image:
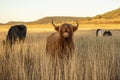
(60, 44)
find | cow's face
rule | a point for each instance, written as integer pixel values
(66, 30)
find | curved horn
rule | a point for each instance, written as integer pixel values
(77, 24)
(75, 27)
(56, 27)
(53, 23)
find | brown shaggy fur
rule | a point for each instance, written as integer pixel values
(60, 44)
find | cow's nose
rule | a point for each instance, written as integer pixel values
(66, 34)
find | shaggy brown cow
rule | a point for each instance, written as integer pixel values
(60, 43)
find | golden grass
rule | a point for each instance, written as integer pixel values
(49, 27)
(95, 58)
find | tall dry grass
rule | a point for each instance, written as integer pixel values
(95, 58)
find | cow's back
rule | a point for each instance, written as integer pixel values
(22, 31)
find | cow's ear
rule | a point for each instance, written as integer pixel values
(57, 28)
(75, 28)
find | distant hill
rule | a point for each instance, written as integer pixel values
(46, 20)
(57, 19)
(1, 24)
(102, 18)
(109, 15)
(15, 22)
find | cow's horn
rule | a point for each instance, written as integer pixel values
(77, 24)
(53, 23)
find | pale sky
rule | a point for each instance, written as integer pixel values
(30, 10)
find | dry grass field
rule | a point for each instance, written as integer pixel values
(95, 58)
(49, 27)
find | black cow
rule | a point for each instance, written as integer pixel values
(16, 33)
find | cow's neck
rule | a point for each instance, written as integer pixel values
(66, 46)
(65, 42)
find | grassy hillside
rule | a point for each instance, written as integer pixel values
(110, 15)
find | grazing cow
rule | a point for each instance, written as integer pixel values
(16, 33)
(107, 33)
(101, 32)
(60, 43)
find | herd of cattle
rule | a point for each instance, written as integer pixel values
(59, 43)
